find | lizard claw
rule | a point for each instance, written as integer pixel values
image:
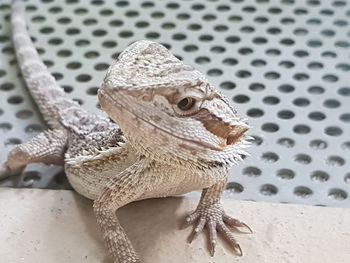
(212, 248)
(236, 224)
(215, 220)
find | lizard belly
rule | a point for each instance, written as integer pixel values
(88, 184)
(171, 181)
(172, 191)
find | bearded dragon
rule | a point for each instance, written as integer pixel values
(173, 133)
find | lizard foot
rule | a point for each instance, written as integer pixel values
(6, 172)
(216, 220)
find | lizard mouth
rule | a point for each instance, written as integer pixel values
(235, 135)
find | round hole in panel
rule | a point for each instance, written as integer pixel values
(31, 177)
(285, 174)
(286, 142)
(251, 171)
(319, 176)
(337, 194)
(270, 157)
(303, 192)
(234, 187)
(268, 190)
(303, 159)
(318, 144)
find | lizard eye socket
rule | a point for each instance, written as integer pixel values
(186, 103)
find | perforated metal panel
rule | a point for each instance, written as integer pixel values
(284, 63)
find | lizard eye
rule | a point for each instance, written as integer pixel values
(186, 103)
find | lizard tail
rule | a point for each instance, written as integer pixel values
(47, 93)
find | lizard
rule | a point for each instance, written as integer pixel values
(172, 132)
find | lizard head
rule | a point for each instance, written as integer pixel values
(167, 108)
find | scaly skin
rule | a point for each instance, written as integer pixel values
(177, 134)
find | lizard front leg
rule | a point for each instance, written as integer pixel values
(210, 214)
(47, 147)
(121, 190)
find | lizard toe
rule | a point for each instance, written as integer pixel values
(226, 232)
(236, 224)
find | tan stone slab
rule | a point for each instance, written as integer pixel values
(58, 226)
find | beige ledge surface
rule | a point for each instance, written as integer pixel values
(59, 227)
